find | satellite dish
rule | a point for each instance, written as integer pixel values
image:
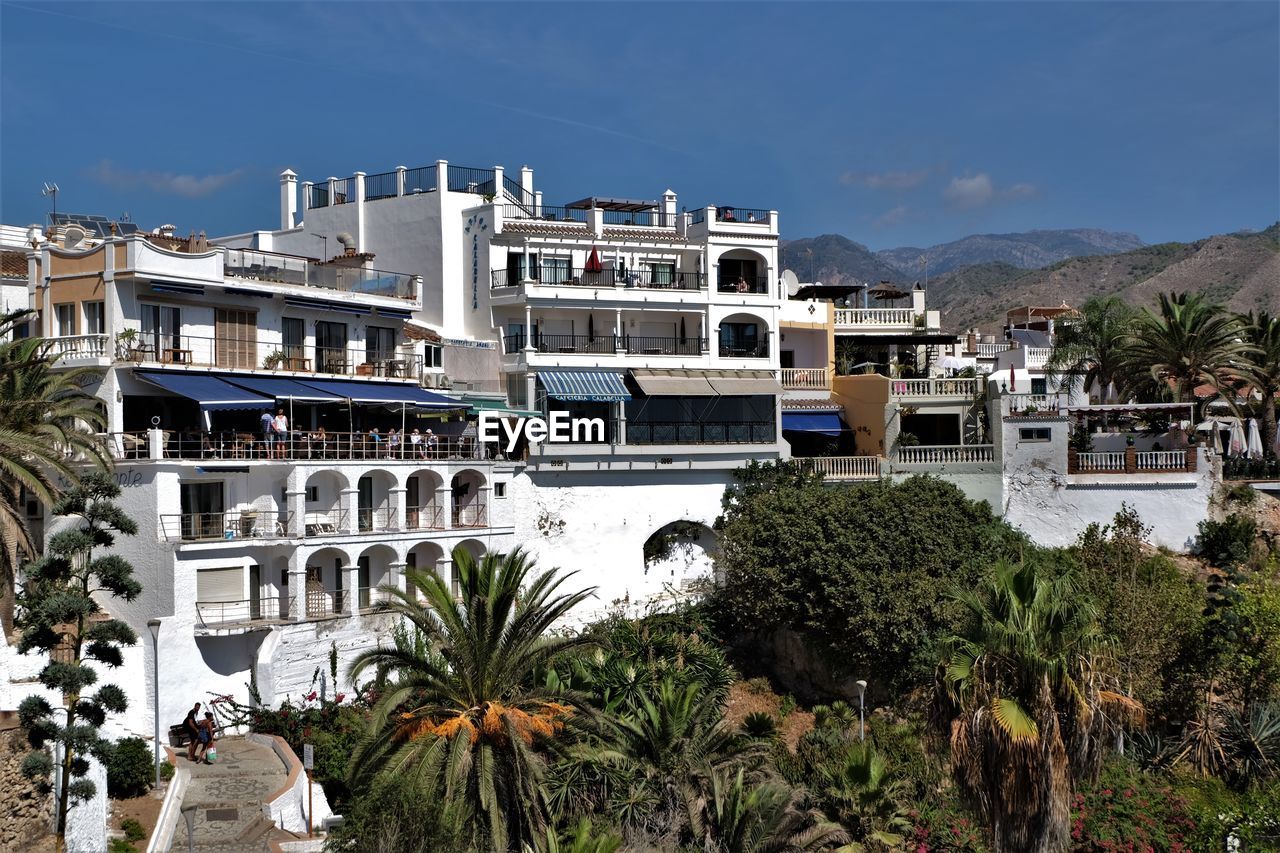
(792, 283)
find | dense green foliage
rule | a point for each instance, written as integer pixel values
(130, 768)
(861, 573)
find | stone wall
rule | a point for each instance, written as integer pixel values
(24, 813)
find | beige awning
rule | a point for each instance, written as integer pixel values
(673, 383)
(742, 382)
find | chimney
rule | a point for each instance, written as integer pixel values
(971, 344)
(288, 199)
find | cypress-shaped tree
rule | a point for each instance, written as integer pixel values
(60, 617)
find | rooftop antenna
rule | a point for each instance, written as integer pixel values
(51, 191)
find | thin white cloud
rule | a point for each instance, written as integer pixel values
(892, 180)
(974, 191)
(893, 216)
(169, 183)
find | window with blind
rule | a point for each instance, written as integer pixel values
(235, 338)
(213, 585)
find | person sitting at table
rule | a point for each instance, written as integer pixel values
(373, 442)
(319, 443)
(433, 445)
(742, 285)
(393, 444)
(416, 448)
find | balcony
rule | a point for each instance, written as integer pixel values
(262, 610)
(1031, 403)
(806, 379)
(328, 523)
(428, 517)
(956, 454)
(567, 344)
(255, 265)
(736, 432)
(878, 319)
(844, 468)
(953, 388)
(471, 515)
(222, 526)
(730, 350)
(727, 214)
(299, 446)
(992, 350)
(743, 284)
(1037, 357)
(250, 354)
(75, 347)
(648, 345)
(578, 277)
(1130, 461)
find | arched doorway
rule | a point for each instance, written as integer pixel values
(681, 554)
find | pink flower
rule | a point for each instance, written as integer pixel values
(338, 698)
(311, 697)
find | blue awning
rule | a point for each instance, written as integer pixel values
(323, 305)
(394, 313)
(601, 386)
(209, 391)
(384, 394)
(173, 287)
(824, 423)
(280, 388)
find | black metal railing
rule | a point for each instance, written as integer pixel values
(263, 608)
(737, 350)
(517, 193)
(297, 444)
(578, 277)
(319, 196)
(649, 345)
(752, 215)
(742, 284)
(598, 344)
(382, 185)
(344, 190)
(646, 218)
(724, 432)
(212, 526)
(546, 213)
(697, 215)
(464, 179)
(420, 180)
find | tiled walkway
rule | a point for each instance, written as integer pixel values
(225, 798)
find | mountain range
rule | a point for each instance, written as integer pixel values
(1241, 270)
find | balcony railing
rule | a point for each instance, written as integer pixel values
(214, 526)
(935, 387)
(250, 354)
(844, 467)
(578, 277)
(724, 213)
(648, 345)
(427, 517)
(946, 454)
(875, 317)
(371, 598)
(992, 350)
(1131, 461)
(471, 515)
(1037, 357)
(642, 218)
(329, 523)
(290, 269)
(743, 284)
(568, 344)
(263, 608)
(546, 213)
(80, 346)
(297, 445)
(806, 378)
(420, 180)
(1023, 403)
(705, 432)
(380, 186)
(759, 350)
(464, 179)
(376, 518)
(1110, 460)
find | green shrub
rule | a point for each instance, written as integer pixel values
(133, 830)
(1128, 807)
(1227, 543)
(760, 725)
(130, 768)
(166, 771)
(119, 845)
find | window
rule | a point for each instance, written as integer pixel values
(742, 340)
(1035, 434)
(662, 273)
(214, 586)
(1039, 386)
(499, 490)
(161, 328)
(313, 494)
(379, 343)
(516, 268)
(555, 270)
(293, 339)
(64, 319)
(95, 321)
(235, 338)
(331, 347)
(202, 505)
(432, 355)
(738, 275)
(517, 390)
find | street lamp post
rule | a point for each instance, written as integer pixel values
(154, 626)
(862, 716)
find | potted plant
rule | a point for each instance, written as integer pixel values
(273, 360)
(126, 344)
(1128, 441)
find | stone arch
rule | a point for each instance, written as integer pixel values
(324, 582)
(469, 492)
(374, 569)
(425, 507)
(375, 501)
(740, 266)
(428, 556)
(681, 553)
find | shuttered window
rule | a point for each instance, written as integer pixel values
(236, 338)
(214, 585)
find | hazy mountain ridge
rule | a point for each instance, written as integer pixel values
(1028, 250)
(835, 260)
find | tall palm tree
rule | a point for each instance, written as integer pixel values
(1258, 369)
(48, 425)
(1027, 693)
(1189, 341)
(770, 817)
(468, 714)
(1089, 350)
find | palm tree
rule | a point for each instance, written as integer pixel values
(47, 432)
(865, 799)
(467, 713)
(1026, 693)
(1089, 351)
(1258, 369)
(770, 817)
(1188, 342)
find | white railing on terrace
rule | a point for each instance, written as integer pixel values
(945, 454)
(992, 350)
(806, 378)
(968, 387)
(845, 467)
(1038, 402)
(1037, 357)
(1108, 460)
(1162, 460)
(80, 346)
(875, 317)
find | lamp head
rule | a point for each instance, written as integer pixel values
(861, 685)
(154, 626)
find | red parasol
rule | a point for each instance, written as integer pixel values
(593, 261)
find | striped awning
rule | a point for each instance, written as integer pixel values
(601, 386)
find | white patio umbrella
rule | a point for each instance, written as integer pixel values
(950, 362)
(1253, 446)
(1237, 444)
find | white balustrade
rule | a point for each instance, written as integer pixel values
(80, 346)
(845, 467)
(805, 378)
(875, 317)
(992, 350)
(1037, 357)
(967, 387)
(1036, 402)
(946, 454)
(1109, 460)
(1162, 460)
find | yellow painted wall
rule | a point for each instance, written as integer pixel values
(865, 399)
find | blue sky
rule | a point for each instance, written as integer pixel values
(894, 124)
